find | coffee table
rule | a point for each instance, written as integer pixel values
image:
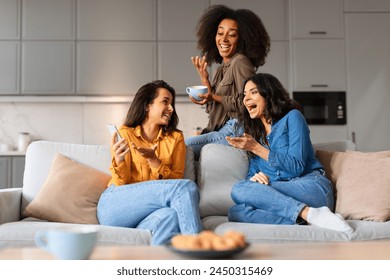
(370, 250)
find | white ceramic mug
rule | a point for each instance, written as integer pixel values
(5, 148)
(195, 90)
(68, 244)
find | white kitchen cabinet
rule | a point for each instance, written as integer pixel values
(5, 178)
(114, 68)
(116, 20)
(11, 171)
(177, 19)
(277, 62)
(9, 67)
(368, 79)
(366, 6)
(175, 66)
(274, 14)
(317, 18)
(9, 19)
(47, 19)
(318, 65)
(47, 67)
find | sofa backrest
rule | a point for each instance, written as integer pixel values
(337, 146)
(220, 167)
(40, 154)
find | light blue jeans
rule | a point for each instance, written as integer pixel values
(280, 202)
(165, 207)
(218, 137)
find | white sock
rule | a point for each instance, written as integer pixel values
(323, 217)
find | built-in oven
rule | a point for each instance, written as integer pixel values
(323, 107)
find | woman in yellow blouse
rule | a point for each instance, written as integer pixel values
(147, 189)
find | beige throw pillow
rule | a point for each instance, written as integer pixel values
(332, 163)
(363, 187)
(70, 193)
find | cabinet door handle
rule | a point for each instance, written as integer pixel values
(353, 135)
(319, 86)
(317, 32)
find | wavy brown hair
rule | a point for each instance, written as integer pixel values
(145, 96)
(253, 39)
(277, 104)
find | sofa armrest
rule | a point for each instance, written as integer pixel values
(10, 202)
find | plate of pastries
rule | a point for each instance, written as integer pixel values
(208, 244)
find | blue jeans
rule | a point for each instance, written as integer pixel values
(218, 137)
(280, 202)
(165, 207)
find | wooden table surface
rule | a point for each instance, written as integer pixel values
(370, 250)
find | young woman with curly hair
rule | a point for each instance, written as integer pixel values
(238, 40)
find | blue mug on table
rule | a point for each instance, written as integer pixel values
(68, 244)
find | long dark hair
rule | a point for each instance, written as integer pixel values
(145, 95)
(277, 104)
(253, 39)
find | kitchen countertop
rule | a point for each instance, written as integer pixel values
(12, 153)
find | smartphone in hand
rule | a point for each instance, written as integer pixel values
(112, 129)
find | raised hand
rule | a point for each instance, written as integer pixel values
(149, 153)
(245, 142)
(201, 66)
(146, 152)
(120, 148)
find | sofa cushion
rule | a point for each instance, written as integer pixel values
(363, 230)
(220, 167)
(336, 146)
(363, 186)
(333, 160)
(70, 193)
(22, 233)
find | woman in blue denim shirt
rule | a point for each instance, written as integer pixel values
(285, 182)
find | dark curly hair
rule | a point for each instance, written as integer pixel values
(253, 39)
(145, 96)
(277, 104)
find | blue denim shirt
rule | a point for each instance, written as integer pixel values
(291, 151)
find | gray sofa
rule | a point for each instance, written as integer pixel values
(219, 167)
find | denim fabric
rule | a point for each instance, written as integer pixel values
(291, 152)
(138, 205)
(163, 224)
(218, 137)
(280, 202)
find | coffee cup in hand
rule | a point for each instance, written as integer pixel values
(195, 90)
(68, 244)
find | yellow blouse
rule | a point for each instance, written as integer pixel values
(170, 150)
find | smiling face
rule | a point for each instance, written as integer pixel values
(227, 39)
(160, 111)
(253, 101)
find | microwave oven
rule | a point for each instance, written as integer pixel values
(323, 107)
